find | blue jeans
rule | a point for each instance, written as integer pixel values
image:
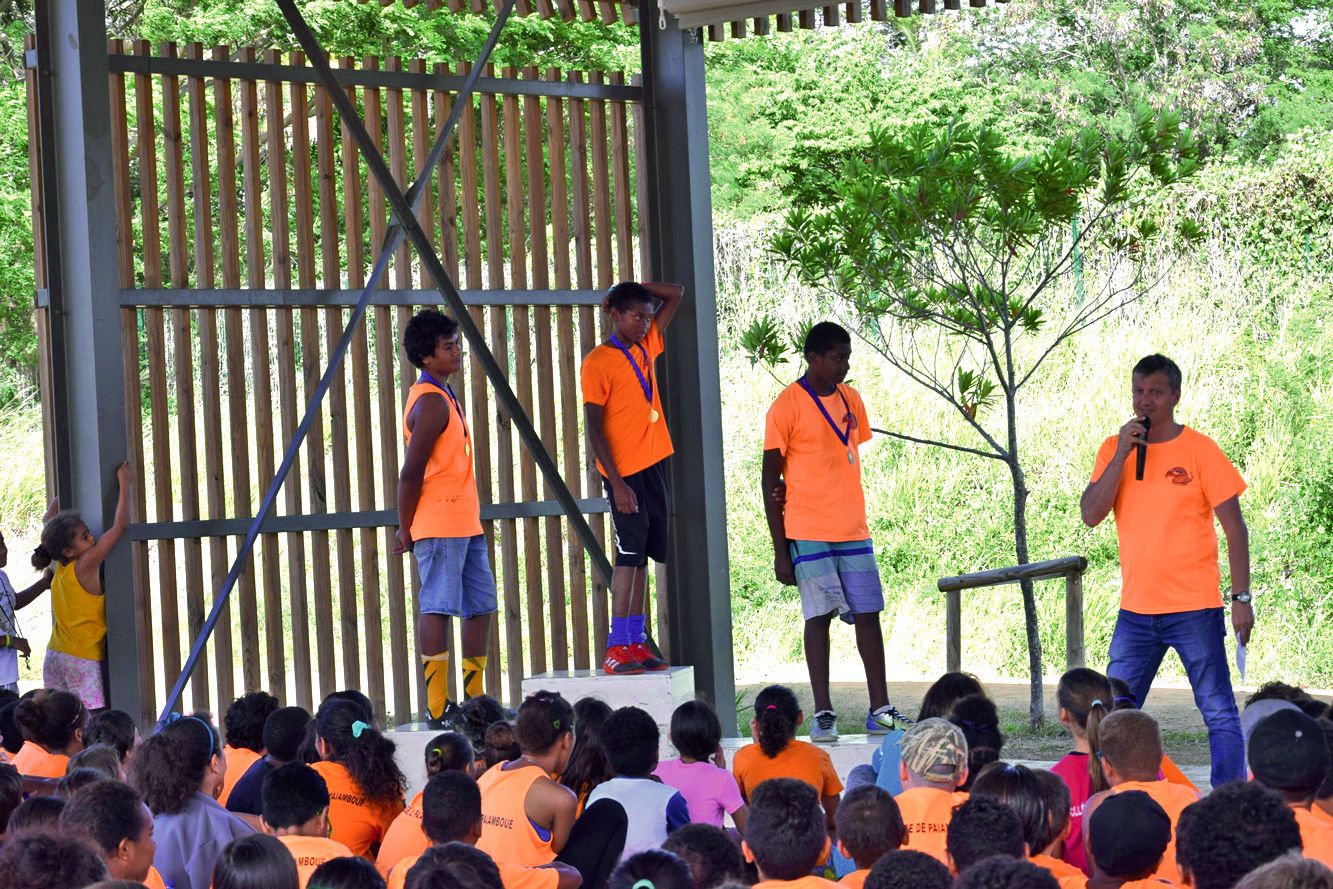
(1137, 648)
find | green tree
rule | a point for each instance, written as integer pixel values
(940, 248)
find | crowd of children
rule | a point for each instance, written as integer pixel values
(564, 797)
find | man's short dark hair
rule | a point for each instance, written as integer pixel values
(422, 335)
(982, 828)
(243, 725)
(1231, 831)
(1160, 364)
(825, 336)
(114, 728)
(293, 794)
(630, 737)
(908, 869)
(712, 855)
(870, 825)
(451, 806)
(284, 732)
(626, 294)
(108, 812)
(1003, 872)
(455, 864)
(785, 831)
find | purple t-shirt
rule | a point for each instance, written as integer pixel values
(709, 792)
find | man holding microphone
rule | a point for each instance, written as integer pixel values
(1170, 594)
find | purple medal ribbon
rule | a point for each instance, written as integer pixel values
(449, 393)
(647, 384)
(843, 437)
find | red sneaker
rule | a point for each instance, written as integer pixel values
(651, 662)
(621, 661)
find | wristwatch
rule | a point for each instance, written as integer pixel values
(1243, 597)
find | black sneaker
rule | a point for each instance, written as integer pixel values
(447, 721)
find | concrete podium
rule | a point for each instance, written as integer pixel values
(657, 693)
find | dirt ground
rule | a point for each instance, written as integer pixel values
(1183, 730)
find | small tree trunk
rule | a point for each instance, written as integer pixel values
(1036, 702)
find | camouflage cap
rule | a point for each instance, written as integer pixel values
(935, 749)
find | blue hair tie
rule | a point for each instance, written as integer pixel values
(644, 884)
(358, 727)
(174, 718)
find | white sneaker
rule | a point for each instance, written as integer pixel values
(825, 729)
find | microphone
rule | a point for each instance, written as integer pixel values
(1143, 450)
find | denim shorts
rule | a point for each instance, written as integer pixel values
(456, 576)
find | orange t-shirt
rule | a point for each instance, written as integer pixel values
(239, 760)
(799, 759)
(448, 506)
(801, 883)
(356, 822)
(1057, 868)
(1172, 773)
(825, 501)
(33, 761)
(404, 838)
(311, 852)
(506, 833)
(926, 813)
(1168, 545)
(154, 879)
(511, 876)
(608, 380)
(1321, 816)
(856, 879)
(1173, 799)
(1316, 836)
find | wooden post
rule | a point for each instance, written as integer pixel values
(953, 632)
(1073, 620)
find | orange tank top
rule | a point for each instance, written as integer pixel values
(448, 506)
(506, 833)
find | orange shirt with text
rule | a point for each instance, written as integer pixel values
(404, 838)
(311, 852)
(506, 833)
(608, 380)
(799, 759)
(239, 760)
(1173, 798)
(1168, 544)
(33, 761)
(1316, 836)
(449, 505)
(926, 813)
(356, 822)
(511, 876)
(825, 501)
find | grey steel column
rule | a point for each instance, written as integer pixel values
(85, 314)
(681, 234)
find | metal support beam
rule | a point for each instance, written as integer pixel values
(681, 250)
(81, 242)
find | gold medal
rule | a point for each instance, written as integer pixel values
(653, 415)
(467, 448)
(850, 458)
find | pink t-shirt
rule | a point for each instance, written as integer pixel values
(1073, 770)
(709, 792)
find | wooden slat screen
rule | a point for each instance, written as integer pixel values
(239, 184)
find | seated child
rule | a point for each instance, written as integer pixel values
(114, 817)
(452, 806)
(1041, 802)
(700, 773)
(1206, 849)
(869, 827)
(296, 811)
(1010, 873)
(365, 784)
(982, 828)
(977, 716)
(652, 867)
(776, 753)
(587, 766)
(1085, 698)
(447, 752)
(1131, 748)
(253, 861)
(49, 859)
(53, 723)
(454, 865)
(909, 869)
(500, 744)
(1124, 700)
(934, 764)
(654, 809)
(713, 856)
(1128, 834)
(786, 836)
(284, 733)
(1288, 754)
(243, 726)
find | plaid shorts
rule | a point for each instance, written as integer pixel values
(841, 577)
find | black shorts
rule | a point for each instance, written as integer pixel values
(642, 535)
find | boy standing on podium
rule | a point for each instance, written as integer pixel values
(623, 413)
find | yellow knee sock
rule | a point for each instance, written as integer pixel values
(436, 669)
(474, 668)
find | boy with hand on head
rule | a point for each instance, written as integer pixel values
(622, 407)
(655, 810)
(1128, 834)
(452, 814)
(786, 836)
(439, 516)
(1288, 754)
(817, 518)
(869, 827)
(934, 763)
(284, 733)
(296, 811)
